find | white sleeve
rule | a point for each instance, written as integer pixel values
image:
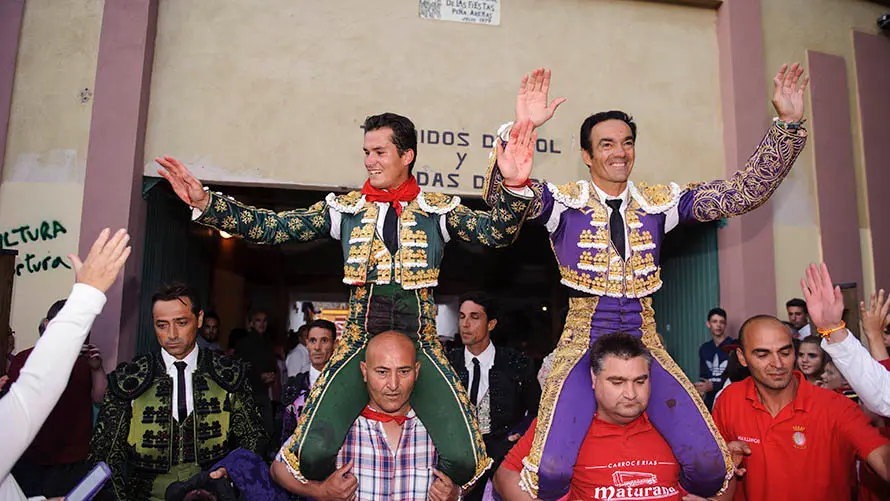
(443, 226)
(868, 378)
(336, 217)
(45, 375)
(672, 218)
(10, 491)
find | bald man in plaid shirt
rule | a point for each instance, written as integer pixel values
(388, 454)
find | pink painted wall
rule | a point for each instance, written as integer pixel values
(832, 141)
(872, 54)
(746, 253)
(113, 184)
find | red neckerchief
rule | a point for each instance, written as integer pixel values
(406, 192)
(370, 413)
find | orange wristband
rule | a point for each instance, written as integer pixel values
(828, 332)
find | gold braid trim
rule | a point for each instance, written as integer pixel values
(753, 185)
(660, 354)
(573, 344)
(292, 451)
(428, 343)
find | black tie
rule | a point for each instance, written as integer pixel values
(477, 376)
(182, 408)
(616, 225)
(391, 230)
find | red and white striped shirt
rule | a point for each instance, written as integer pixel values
(383, 474)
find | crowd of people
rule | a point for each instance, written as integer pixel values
(380, 410)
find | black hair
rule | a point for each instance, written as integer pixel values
(178, 291)
(323, 324)
(236, 335)
(487, 303)
(798, 302)
(404, 135)
(211, 314)
(717, 311)
(252, 313)
(617, 344)
(51, 314)
(591, 121)
(735, 371)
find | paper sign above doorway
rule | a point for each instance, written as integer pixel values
(462, 11)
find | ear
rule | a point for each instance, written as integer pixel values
(407, 157)
(592, 379)
(739, 353)
(586, 157)
(416, 369)
(364, 367)
(492, 324)
(200, 319)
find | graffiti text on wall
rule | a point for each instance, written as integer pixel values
(25, 234)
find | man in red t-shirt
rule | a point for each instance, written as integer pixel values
(804, 439)
(55, 461)
(623, 456)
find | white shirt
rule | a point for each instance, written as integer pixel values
(603, 196)
(42, 380)
(297, 361)
(868, 378)
(486, 361)
(803, 332)
(191, 361)
(313, 376)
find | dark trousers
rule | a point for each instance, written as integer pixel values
(497, 446)
(48, 480)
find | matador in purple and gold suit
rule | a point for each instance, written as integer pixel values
(612, 292)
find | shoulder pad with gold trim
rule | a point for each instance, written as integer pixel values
(437, 203)
(656, 198)
(130, 379)
(228, 372)
(573, 195)
(349, 203)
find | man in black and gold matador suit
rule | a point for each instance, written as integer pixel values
(393, 236)
(171, 415)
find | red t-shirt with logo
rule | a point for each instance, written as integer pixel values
(616, 462)
(808, 451)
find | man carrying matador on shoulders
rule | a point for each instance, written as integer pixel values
(606, 234)
(393, 235)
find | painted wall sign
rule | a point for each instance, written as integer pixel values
(462, 11)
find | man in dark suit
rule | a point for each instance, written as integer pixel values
(321, 335)
(501, 382)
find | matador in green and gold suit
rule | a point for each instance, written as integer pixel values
(147, 449)
(390, 289)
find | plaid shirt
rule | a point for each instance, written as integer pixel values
(387, 475)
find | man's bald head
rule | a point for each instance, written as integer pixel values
(391, 341)
(390, 369)
(758, 322)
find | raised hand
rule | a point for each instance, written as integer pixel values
(824, 301)
(186, 186)
(104, 262)
(517, 159)
(788, 90)
(531, 102)
(875, 318)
